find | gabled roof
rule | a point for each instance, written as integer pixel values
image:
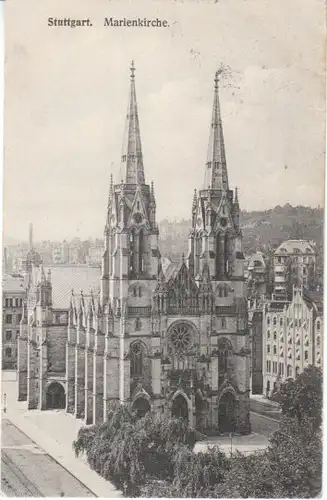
(295, 247)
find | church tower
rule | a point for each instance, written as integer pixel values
(216, 238)
(131, 256)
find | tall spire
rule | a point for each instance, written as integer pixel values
(216, 169)
(132, 159)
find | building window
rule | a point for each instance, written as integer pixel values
(223, 323)
(275, 321)
(9, 318)
(306, 355)
(268, 349)
(297, 370)
(8, 352)
(281, 353)
(8, 335)
(281, 369)
(275, 349)
(140, 292)
(318, 325)
(137, 358)
(274, 366)
(268, 366)
(134, 292)
(275, 335)
(295, 322)
(138, 324)
(268, 320)
(281, 321)
(7, 302)
(318, 341)
(19, 318)
(268, 387)
(289, 370)
(268, 334)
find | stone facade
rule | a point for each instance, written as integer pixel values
(170, 337)
(292, 337)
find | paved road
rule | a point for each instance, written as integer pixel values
(27, 470)
(263, 425)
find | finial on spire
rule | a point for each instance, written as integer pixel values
(132, 68)
(216, 79)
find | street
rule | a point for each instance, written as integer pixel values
(28, 471)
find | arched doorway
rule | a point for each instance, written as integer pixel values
(180, 408)
(141, 406)
(227, 410)
(56, 396)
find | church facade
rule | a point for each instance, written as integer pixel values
(161, 336)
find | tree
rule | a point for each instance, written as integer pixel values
(129, 451)
(302, 398)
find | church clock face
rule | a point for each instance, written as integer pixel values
(138, 218)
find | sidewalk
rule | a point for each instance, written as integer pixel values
(54, 432)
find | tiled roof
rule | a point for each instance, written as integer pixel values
(170, 268)
(66, 278)
(296, 246)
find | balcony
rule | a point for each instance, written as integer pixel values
(139, 311)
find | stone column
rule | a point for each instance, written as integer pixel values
(88, 411)
(80, 373)
(70, 369)
(22, 367)
(98, 375)
(31, 382)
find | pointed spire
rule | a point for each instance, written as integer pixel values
(132, 159)
(195, 199)
(42, 274)
(216, 169)
(236, 196)
(111, 189)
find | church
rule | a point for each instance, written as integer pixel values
(161, 336)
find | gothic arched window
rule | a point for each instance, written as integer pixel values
(137, 352)
(224, 351)
(289, 370)
(138, 324)
(141, 252)
(132, 251)
(8, 352)
(226, 249)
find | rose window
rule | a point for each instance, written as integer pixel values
(181, 338)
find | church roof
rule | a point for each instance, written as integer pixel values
(64, 279)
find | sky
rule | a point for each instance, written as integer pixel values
(66, 93)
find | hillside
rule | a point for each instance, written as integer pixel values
(261, 230)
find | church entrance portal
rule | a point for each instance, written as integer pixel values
(56, 396)
(141, 406)
(180, 408)
(227, 409)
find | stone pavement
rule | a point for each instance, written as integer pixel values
(245, 444)
(54, 432)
